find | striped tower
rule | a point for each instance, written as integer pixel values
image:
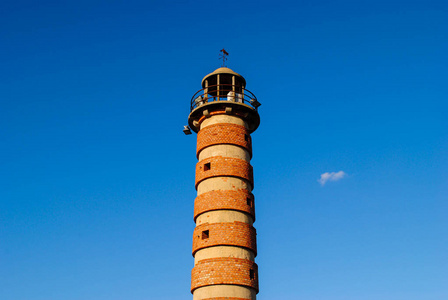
(224, 114)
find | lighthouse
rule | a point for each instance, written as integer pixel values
(224, 114)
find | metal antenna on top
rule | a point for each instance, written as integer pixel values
(223, 55)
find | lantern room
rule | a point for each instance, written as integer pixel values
(223, 91)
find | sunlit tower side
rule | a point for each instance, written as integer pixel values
(224, 114)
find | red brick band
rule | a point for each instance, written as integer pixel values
(223, 166)
(224, 133)
(225, 270)
(226, 298)
(240, 200)
(236, 233)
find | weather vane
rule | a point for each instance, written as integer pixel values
(223, 55)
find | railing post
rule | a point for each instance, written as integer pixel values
(217, 87)
(206, 91)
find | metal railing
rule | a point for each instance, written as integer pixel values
(222, 93)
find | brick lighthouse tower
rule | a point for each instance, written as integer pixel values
(224, 114)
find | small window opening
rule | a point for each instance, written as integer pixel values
(252, 274)
(206, 166)
(249, 202)
(205, 234)
(246, 137)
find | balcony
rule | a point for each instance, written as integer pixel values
(224, 93)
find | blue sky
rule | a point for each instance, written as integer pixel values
(97, 178)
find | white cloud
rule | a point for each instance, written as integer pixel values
(331, 176)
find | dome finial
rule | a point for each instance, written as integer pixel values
(223, 55)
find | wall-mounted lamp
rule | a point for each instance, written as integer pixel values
(255, 103)
(186, 130)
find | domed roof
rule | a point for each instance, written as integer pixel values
(223, 70)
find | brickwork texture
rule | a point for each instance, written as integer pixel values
(219, 134)
(225, 271)
(225, 234)
(223, 166)
(225, 298)
(240, 200)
